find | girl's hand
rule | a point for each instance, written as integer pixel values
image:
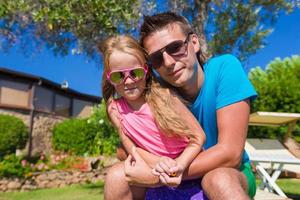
(169, 171)
(164, 165)
(174, 178)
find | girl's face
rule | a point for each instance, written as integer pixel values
(131, 89)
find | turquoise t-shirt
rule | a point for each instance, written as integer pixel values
(225, 83)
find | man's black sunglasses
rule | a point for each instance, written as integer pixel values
(175, 49)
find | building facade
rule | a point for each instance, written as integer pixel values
(41, 103)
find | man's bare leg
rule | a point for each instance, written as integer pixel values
(225, 183)
(116, 187)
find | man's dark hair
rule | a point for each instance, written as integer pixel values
(160, 21)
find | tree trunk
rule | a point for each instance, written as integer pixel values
(201, 8)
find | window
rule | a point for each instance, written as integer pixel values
(43, 99)
(81, 108)
(14, 93)
(62, 105)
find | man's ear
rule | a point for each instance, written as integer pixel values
(195, 42)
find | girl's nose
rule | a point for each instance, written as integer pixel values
(128, 80)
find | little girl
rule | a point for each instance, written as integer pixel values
(150, 115)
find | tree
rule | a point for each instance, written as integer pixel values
(65, 25)
(278, 90)
(233, 26)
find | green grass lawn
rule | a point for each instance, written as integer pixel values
(74, 192)
(95, 192)
(291, 187)
(297, 138)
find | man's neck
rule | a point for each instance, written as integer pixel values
(191, 90)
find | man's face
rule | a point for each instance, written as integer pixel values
(176, 70)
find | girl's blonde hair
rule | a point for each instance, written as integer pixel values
(156, 95)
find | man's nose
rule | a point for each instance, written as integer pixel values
(169, 61)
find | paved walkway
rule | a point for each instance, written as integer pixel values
(264, 195)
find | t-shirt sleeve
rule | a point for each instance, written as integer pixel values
(233, 84)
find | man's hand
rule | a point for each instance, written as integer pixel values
(137, 171)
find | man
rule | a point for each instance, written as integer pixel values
(219, 94)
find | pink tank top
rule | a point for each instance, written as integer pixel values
(141, 128)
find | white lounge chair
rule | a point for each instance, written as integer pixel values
(269, 156)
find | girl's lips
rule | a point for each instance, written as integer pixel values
(132, 88)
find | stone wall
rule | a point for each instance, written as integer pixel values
(96, 170)
(42, 129)
(51, 179)
(42, 132)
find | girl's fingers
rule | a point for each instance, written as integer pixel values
(170, 181)
(164, 167)
(169, 162)
(158, 168)
(175, 169)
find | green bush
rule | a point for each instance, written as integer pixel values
(11, 166)
(93, 136)
(22, 167)
(73, 135)
(107, 138)
(278, 89)
(13, 134)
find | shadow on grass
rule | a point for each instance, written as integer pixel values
(293, 196)
(94, 185)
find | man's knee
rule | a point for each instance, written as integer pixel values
(217, 178)
(116, 186)
(225, 183)
(116, 189)
(116, 172)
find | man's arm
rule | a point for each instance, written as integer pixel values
(232, 122)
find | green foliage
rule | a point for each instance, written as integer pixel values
(19, 166)
(73, 135)
(278, 91)
(11, 166)
(13, 134)
(107, 138)
(22, 167)
(66, 161)
(62, 23)
(238, 27)
(234, 26)
(93, 136)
